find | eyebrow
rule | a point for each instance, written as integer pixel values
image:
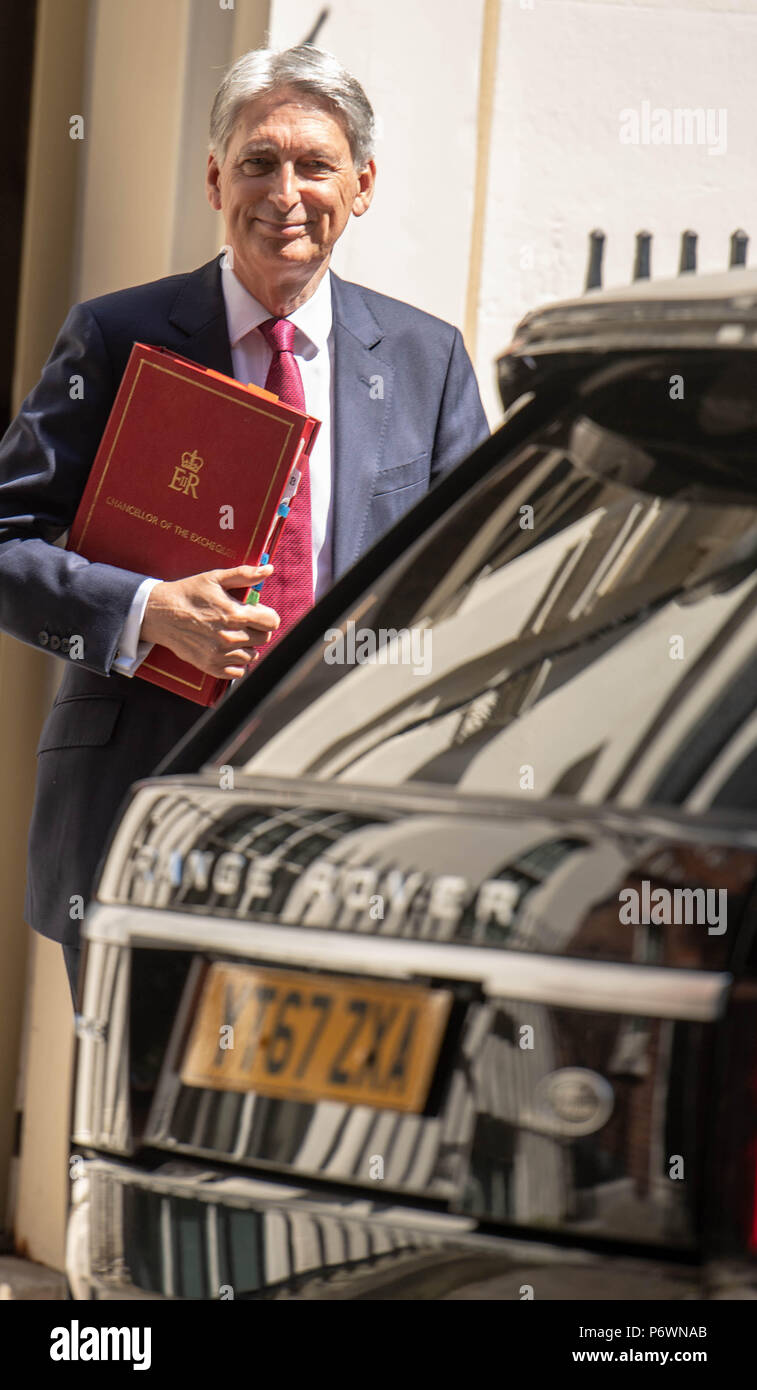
(264, 147)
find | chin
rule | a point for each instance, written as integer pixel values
(269, 246)
(292, 253)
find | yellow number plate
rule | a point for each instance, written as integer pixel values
(315, 1037)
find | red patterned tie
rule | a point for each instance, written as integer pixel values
(290, 588)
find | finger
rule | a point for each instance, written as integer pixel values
(242, 576)
(250, 633)
(255, 618)
(244, 646)
(238, 664)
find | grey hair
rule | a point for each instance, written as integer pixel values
(306, 69)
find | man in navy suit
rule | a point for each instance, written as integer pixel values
(290, 162)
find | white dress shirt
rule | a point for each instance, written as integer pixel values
(251, 357)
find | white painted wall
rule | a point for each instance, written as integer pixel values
(418, 61)
(565, 71)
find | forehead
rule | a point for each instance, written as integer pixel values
(286, 118)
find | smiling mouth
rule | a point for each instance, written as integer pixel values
(283, 228)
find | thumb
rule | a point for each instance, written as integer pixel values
(242, 575)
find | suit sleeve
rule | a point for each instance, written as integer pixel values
(462, 424)
(49, 595)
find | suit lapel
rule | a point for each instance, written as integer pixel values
(362, 390)
(200, 313)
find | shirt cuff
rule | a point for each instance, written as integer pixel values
(131, 652)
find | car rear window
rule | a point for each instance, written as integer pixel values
(582, 622)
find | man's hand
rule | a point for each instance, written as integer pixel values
(204, 625)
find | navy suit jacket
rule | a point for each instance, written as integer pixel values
(406, 410)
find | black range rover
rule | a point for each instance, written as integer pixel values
(425, 966)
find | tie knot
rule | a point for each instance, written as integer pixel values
(278, 333)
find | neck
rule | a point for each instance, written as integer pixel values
(282, 295)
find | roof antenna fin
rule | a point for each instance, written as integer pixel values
(594, 268)
(642, 260)
(739, 243)
(688, 260)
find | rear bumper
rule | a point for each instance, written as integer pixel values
(182, 1232)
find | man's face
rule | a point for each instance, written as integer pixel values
(286, 188)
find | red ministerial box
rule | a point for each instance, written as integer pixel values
(188, 477)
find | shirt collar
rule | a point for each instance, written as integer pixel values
(244, 312)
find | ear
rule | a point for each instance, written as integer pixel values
(366, 184)
(212, 175)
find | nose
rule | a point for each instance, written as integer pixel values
(284, 191)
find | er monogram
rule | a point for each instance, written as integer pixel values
(186, 474)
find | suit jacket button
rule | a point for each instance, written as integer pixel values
(54, 642)
(64, 644)
(43, 638)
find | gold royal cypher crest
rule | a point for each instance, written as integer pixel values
(186, 474)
